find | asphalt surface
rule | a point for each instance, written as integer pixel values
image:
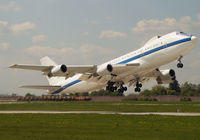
(101, 112)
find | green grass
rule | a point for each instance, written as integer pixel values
(97, 127)
(126, 106)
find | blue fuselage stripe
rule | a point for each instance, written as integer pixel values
(66, 86)
(155, 50)
(130, 59)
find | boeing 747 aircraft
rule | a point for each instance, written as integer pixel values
(131, 69)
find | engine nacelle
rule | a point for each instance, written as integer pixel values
(58, 70)
(104, 70)
(167, 76)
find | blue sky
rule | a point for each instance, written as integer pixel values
(88, 32)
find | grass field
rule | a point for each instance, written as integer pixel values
(126, 106)
(97, 127)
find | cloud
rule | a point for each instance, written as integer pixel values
(22, 28)
(10, 7)
(112, 34)
(85, 34)
(3, 23)
(39, 38)
(4, 29)
(16, 29)
(90, 21)
(87, 53)
(91, 53)
(198, 16)
(83, 49)
(186, 24)
(4, 46)
(46, 50)
(90, 48)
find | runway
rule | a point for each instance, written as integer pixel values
(101, 112)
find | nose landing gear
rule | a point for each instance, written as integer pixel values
(180, 64)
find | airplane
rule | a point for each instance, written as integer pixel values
(132, 69)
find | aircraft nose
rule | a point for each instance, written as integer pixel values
(194, 40)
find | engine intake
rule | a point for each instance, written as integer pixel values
(166, 77)
(109, 68)
(171, 72)
(63, 68)
(58, 70)
(104, 70)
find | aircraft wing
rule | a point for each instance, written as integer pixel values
(45, 87)
(120, 68)
(117, 70)
(161, 76)
(32, 67)
(81, 68)
(71, 69)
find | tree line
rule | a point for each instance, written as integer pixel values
(186, 89)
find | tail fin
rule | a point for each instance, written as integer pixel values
(46, 61)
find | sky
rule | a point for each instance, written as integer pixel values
(88, 32)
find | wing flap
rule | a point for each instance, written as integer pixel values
(120, 68)
(73, 69)
(98, 79)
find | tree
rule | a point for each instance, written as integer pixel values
(84, 94)
(198, 90)
(188, 89)
(170, 91)
(29, 94)
(175, 86)
(146, 92)
(14, 95)
(159, 90)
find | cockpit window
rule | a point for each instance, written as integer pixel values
(182, 33)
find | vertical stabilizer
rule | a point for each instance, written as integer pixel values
(46, 61)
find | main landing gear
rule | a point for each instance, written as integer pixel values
(180, 64)
(122, 89)
(138, 87)
(111, 87)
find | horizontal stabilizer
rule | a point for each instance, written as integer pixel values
(44, 87)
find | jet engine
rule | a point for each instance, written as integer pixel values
(105, 70)
(58, 70)
(166, 77)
